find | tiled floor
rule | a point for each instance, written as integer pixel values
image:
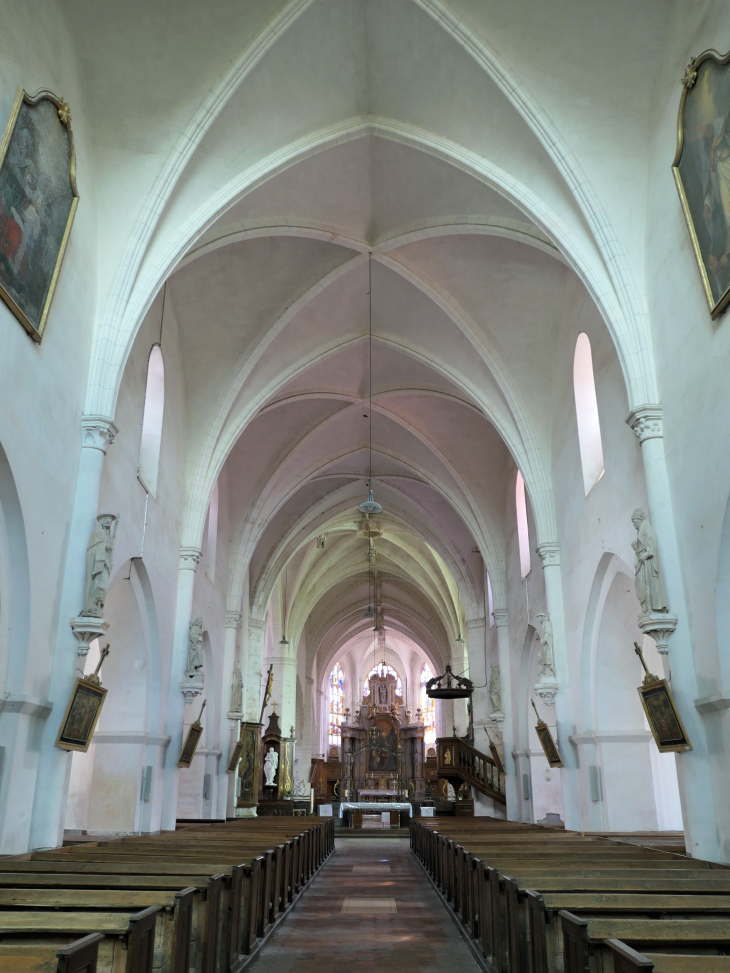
(407, 930)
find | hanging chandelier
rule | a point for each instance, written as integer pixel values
(449, 686)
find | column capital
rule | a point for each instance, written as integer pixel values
(549, 553)
(233, 619)
(474, 624)
(646, 422)
(256, 627)
(97, 432)
(189, 558)
(501, 617)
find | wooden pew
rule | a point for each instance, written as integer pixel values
(231, 908)
(126, 946)
(586, 939)
(79, 957)
(470, 865)
(173, 928)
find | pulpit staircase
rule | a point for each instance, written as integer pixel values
(461, 763)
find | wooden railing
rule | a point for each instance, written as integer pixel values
(460, 761)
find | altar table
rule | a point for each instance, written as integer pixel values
(375, 806)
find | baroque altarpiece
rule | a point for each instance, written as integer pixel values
(382, 754)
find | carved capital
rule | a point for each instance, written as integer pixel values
(189, 558)
(256, 628)
(97, 432)
(547, 689)
(646, 422)
(549, 553)
(474, 624)
(501, 617)
(233, 619)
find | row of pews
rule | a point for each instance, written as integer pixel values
(198, 899)
(541, 900)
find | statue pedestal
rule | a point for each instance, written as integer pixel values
(659, 625)
(86, 628)
(546, 690)
(192, 685)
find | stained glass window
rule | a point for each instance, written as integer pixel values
(428, 707)
(337, 704)
(382, 670)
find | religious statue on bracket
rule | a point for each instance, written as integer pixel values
(99, 564)
(237, 690)
(90, 624)
(192, 684)
(655, 619)
(547, 685)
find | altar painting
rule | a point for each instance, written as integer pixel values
(383, 746)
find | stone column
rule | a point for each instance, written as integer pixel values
(284, 692)
(459, 662)
(476, 645)
(54, 766)
(501, 621)
(225, 796)
(550, 556)
(304, 746)
(189, 560)
(322, 716)
(253, 673)
(703, 819)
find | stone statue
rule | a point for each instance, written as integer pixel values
(195, 646)
(237, 690)
(383, 694)
(99, 565)
(271, 762)
(495, 689)
(546, 658)
(649, 575)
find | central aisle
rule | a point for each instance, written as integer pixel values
(370, 908)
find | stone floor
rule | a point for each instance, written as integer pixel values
(371, 908)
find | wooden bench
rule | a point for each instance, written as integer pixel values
(236, 886)
(127, 944)
(79, 957)
(584, 938)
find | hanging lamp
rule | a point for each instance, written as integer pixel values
(371, 505)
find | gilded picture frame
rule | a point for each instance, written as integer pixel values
(38, 202)
(663, 717)
(700, 170)
(190, 745)
(81, 716)
(235, 757)
(548, 744)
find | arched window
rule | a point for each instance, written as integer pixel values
(382, 670)
(428, 707)
(523, 535)
(337, 704)
(586, 410)
(154, 405)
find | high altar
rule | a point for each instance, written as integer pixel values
(382, 750)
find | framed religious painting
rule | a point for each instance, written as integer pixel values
(82, 715)
(38, 200)
(547, 742)
(235, 756)
(190, 745)
(701, 170)
(664, 719)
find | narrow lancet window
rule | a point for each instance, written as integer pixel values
(154, 405)
(523, 536)
(586, 410)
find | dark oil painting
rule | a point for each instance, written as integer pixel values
(37, 204)
(383, 746)
(81, 716)
(702, 172)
